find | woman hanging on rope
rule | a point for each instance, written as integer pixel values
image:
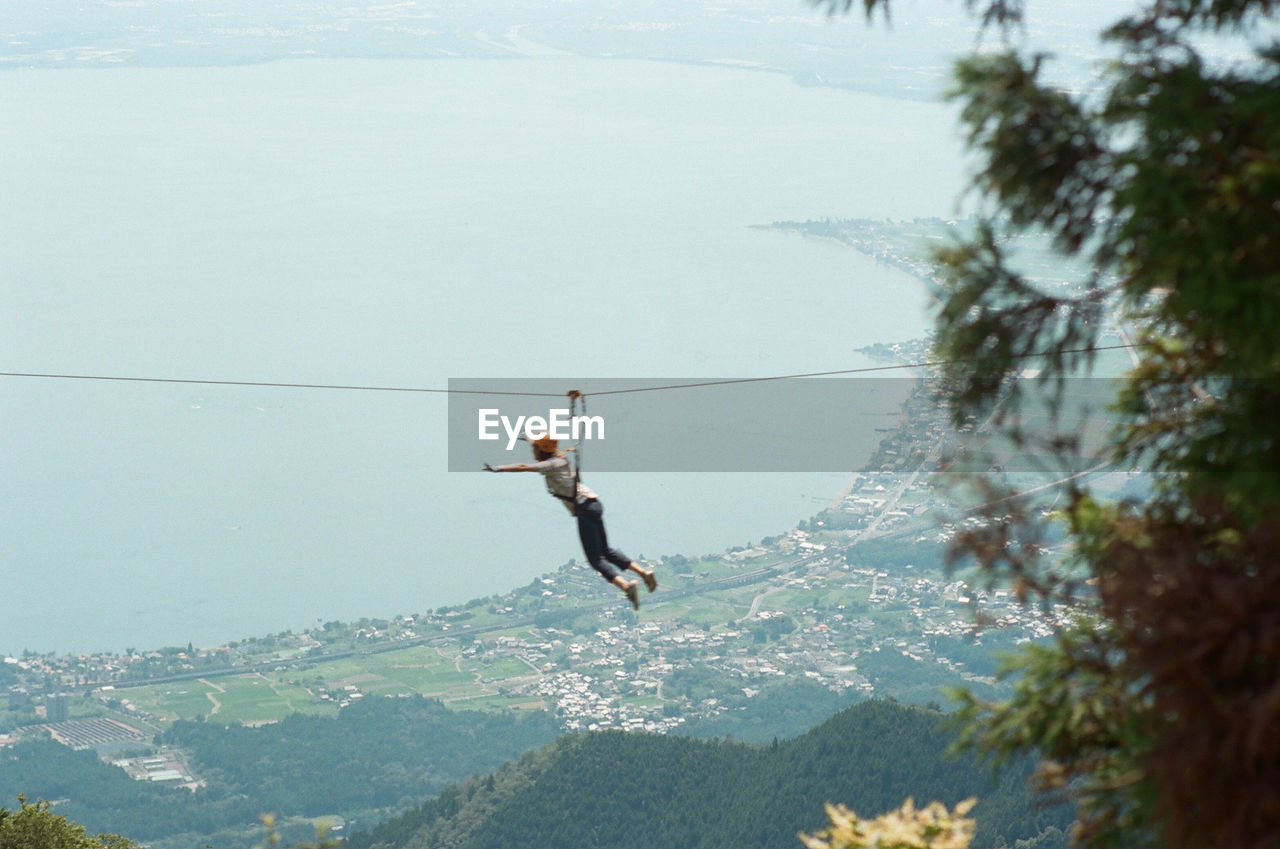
(585, 505)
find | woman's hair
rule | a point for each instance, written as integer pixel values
(545, 447)
(545, 442)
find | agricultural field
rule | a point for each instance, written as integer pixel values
(249, 699)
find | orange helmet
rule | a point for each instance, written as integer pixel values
(544, 443)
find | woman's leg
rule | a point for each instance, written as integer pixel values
(595, 544)
(613, 555)
(622, 561)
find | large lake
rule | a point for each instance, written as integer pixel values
(399, 224)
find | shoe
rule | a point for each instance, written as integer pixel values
(633, 595)
(650, 580)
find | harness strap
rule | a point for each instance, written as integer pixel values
(574, 397)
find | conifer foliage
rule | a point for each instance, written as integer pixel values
(35, 826)
(621, 790)
(1159, 710)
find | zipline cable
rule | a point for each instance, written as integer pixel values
(659, 388)
(200, 382)
(924, 364)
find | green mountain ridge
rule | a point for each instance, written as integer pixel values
(621, 790)
(373, 759)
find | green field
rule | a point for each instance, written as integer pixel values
(167, 702)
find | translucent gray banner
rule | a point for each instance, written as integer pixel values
(795, 425)
(810, 425)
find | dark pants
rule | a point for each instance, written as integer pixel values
(609, 562)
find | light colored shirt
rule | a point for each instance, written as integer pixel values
(557, 474)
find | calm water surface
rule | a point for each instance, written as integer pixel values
(398, 224)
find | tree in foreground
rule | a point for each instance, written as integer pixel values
(1158, 710)
(36, 827)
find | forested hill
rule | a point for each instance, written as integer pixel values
(376, 757)
(619, 790)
